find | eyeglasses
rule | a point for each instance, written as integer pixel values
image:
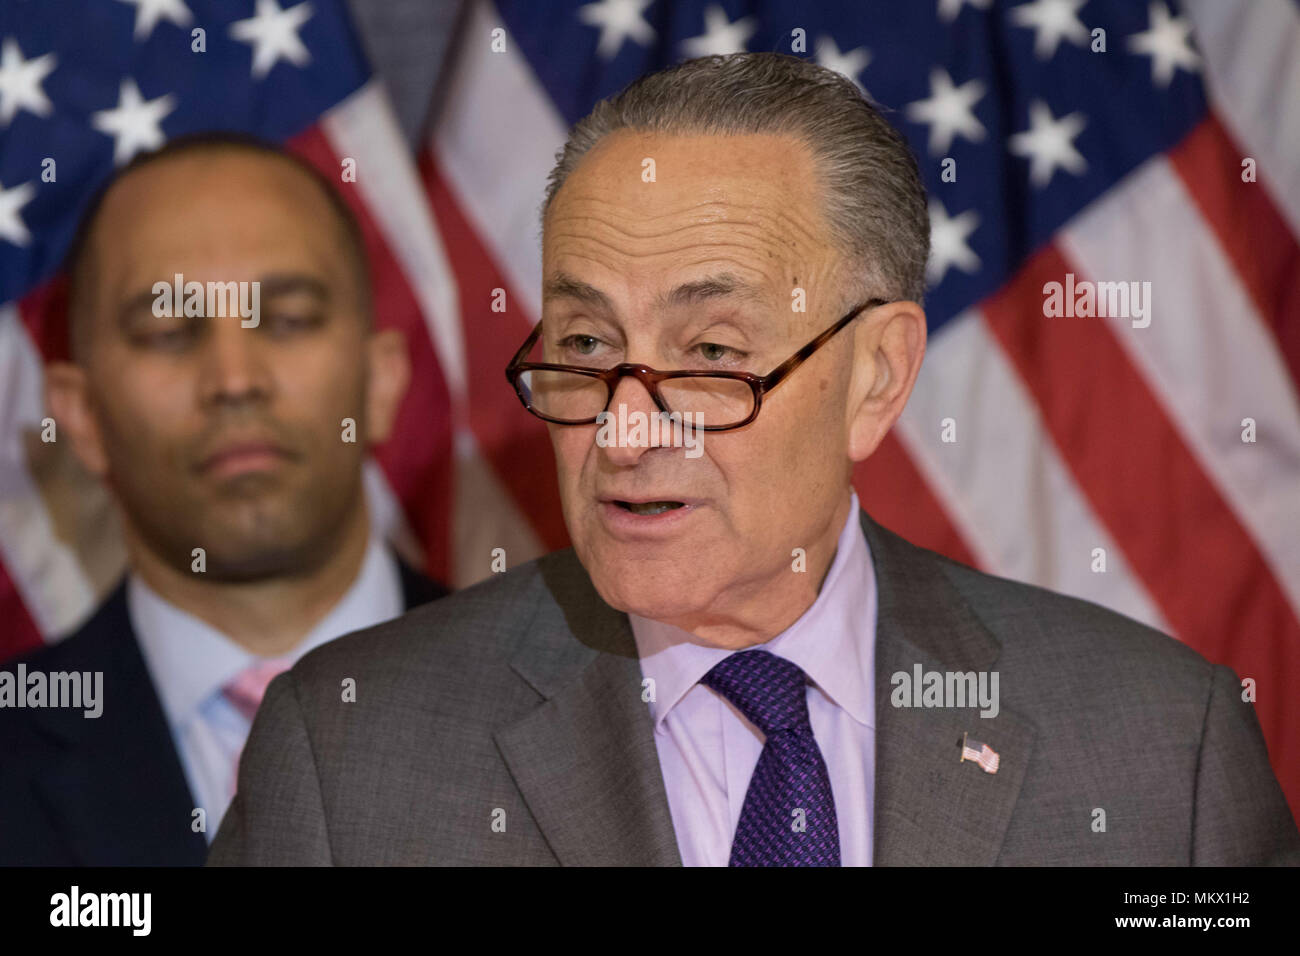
(576, 395)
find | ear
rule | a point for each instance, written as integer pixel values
(390, 374)
(888, 349)
(67, 396)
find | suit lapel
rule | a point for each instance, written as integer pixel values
(116, 787)
(932, 809)
(585, 759)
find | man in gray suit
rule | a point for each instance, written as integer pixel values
(734, 665)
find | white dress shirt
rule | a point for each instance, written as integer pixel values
(190, 662)
(708, 749)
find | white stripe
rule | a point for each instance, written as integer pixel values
(387, 517)
(485, 517)
(495, 142)
(1207, 354)
(1252, 54)
(1003, 482)
(363, 127)
(56, 591)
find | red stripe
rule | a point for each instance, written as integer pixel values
(896, 495)
(1251, 232)
(44, 311)
(1178, 534)
(512, 441)
(418, 458)
(20, 632)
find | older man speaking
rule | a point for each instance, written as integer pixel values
(734, 665)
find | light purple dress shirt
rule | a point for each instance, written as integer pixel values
(708, 749)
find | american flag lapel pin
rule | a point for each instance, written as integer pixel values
(981, 753)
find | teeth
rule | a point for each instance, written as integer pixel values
(652, 507)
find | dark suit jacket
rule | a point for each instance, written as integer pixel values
(106, 791)
(518, 701)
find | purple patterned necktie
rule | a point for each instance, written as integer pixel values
(791, 775)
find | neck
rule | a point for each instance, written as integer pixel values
(765, 610)
(268, 617)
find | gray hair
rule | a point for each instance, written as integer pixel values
(875, 205)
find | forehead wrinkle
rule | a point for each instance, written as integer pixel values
(755, 241)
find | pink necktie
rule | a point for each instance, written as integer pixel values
(246, 692)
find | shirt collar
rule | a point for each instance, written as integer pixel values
(189, 660)
(833, 641)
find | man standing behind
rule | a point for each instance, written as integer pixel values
(233, 442)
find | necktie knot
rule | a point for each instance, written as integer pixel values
(769, 690)
(249, 685)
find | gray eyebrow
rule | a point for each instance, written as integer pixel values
(563, 286)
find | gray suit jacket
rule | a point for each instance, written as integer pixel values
(517, 702)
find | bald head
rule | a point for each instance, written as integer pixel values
(245, 440)
(199, 198)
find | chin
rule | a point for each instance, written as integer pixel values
(663, 589)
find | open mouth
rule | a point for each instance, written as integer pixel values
(648, 507)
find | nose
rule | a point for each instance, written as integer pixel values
(631, 403)
(234, 367)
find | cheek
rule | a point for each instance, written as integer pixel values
(142, 414)
(790, 453)
(324, 383)
(572, 446)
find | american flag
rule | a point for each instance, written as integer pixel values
(981, 753)
(1154, 470)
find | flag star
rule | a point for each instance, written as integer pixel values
(618, 20)
(948, 9)
(20, 82)
(850, 64)
(149, 12)
(135, 123)
(274, 34)
(12, 227)
(1168, 42)
(948, 111)
(1052, 21)
(720, 35)
(948, 246)
(1049, 143)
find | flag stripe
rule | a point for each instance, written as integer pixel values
(1252, 233)
(1003, 479)
(1253, 73)
(1179, 535)
(494, 143)
(1207, 355)
(514, 442)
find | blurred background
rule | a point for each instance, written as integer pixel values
(1153, 469)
